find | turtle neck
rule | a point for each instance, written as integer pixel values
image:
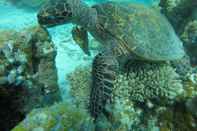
(84, 15)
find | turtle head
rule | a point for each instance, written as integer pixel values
(57, 12)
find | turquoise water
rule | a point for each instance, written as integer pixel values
(46, 79)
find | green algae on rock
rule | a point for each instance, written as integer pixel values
(176, 118)
(59, 117)
(191, 105)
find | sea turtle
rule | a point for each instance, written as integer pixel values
(127, 31)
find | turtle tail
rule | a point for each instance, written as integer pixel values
(103, 77)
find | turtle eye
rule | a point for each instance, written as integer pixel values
(51, 17)
(70, 14)
(65, 13)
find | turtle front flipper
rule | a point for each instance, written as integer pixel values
(80, 36)
(104, 72)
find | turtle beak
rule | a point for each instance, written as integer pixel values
(86, 51)
(84, 48)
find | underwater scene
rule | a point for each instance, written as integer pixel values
(98, 65)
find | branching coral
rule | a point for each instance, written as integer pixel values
(144, 83)
(149, 81)
(124, 115)
(80, 81)
(123, 111)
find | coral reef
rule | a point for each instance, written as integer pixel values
(44, 62)
(191, 105)
(183, 67)
(28, 64)
(178, 12)
(123, 112)
(183, 15)
(151, 97)
(79, 81)
(189, 37)
(154, 85)
(125, 115)
(59, 117)
(28, 59)
(149, 81)
(176, 118)
(139, 84)
(180, 116)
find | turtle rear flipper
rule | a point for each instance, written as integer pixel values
(80, 36)
(103, 73)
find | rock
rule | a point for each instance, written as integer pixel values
(191, 105)
(183, 16)
(178, 11)
(27, 61)
(3, 80)
(59, 117)
(189, 37)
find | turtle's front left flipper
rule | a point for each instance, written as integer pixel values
(104, 72)
(80, 36)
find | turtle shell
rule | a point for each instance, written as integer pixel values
(141, 30)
